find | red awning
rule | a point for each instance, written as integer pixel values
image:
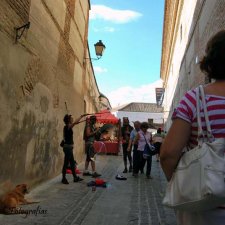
(105, 116)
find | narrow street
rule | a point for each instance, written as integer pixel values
(132, 201)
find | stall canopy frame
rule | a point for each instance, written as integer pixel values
(105, 116)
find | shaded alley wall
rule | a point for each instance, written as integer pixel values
(38, 74)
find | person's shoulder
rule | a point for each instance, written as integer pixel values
(190, 93)
(189, 98)
(138, 133)
(192, 90)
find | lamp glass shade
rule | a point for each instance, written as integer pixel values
(99, 48)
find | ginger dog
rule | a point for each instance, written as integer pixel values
(14, 198)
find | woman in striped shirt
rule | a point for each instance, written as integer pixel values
(184, 129)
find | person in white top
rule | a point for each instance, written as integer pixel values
(143, 137)
(157, 141)
(133, 134)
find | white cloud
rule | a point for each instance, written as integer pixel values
(113, 15)
(99, 69)
(109, 29)
(104, 29)
(125, 95)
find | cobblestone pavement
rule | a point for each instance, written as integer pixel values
(136, 201)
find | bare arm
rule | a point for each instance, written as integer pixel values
(131, 142)
(129, 145)
(151, 140)
(89, 133)
(77, 121)
(171, 149)
(136, 139)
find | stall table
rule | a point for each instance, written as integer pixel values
(106, 147)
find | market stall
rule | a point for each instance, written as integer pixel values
(110, 127)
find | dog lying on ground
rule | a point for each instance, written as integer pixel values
(11, 200)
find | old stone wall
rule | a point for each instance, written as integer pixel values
(207, 18)
(41, 79)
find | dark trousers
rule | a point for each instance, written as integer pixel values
(149, 165)
(157, 146)
(90, 151)
(140, 163)
(68, 159)
(126, 154)
(135, 157)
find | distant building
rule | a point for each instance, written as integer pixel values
(143, 112)
(104, 102)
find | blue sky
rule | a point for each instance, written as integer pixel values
(129, 70)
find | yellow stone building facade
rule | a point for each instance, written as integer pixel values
(43, 76)
(188, 25)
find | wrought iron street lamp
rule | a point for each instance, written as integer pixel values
(99, 49)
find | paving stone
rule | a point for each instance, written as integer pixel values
(136, 201)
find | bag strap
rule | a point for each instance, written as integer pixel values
(200, 131)
(209, 130)
(144, 138)
(200, 92)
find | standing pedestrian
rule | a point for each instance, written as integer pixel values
(143, 137)
(125, 132)
(157, 141)
(90, 132)
(183, 131)
(133, 145)
(68, 148)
